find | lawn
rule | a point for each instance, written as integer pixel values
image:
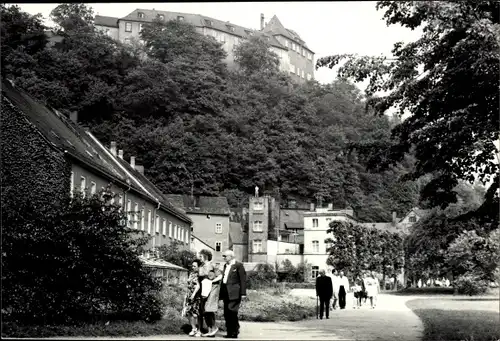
(458, 318)
(265, 305)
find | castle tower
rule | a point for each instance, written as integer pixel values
(258, 228)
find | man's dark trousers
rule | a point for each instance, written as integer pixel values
(231, 308)
(324, 306)
(342, 297)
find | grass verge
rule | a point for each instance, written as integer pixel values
(458, 318)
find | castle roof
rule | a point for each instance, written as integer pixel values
(200, 204)
(102, 20)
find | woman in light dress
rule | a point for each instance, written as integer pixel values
(372, 287)
(192, 300)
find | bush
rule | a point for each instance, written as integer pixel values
(74, 264)
(262, 276)
(290, 273)
(470, 284)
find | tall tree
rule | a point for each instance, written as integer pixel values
(72, 17)
(447, 81)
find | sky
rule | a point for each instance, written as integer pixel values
(327, 27)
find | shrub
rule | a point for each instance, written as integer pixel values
(262, 276)
(290, 273)
(470, 284)
(74, 264)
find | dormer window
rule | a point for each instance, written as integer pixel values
(140, 15)
(180, 18)
(208, 22)
(161, 17)
(230, 28)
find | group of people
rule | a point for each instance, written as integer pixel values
(336, 285)
(207, 285)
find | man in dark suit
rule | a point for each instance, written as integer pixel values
(324, 291)
(232, 291)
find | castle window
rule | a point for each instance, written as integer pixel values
(218, 246)
(257, 246)
(258, 206)
(218, 228)
(413, 219)
(315, 222)
(128, 27)
(140, 15)
(257, 226)
(315, 246)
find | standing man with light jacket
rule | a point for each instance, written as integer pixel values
(232, 291)
(335, 287)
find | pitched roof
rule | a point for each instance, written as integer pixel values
(275, 27)
(81, 145)
(102, 20)
(201, 21)
(418, 211)
(201, 204)
(160, 263)
(291, 217)
(201, 241)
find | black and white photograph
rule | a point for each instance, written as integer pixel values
(324, 170)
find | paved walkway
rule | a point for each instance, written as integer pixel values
(391, 320)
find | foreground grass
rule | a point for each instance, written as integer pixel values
(266, 305)
(458, 318)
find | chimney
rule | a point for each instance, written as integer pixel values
(120, 153)
(330, 206)
(132, 162)
(140, 169)
(394, 218)
(73, 116)
(261, 21)
(312, 207)
(113, 148)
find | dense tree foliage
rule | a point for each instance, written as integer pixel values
(354, 248)
(447, 81)
(195, 123)
(76, 264)
(176, 254)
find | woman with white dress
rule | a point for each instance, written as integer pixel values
(372, 288)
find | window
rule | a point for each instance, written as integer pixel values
(222, 38)
(218, 228)
(328, 220)
(292, 68)
(413, 219)
(140, 27)
(180, 18)
(309, 55)
(129, 214)
(302, 73)
(309, 76)
(128, 27)
(257, 246)
(186, 236)
(93, 188)
(149, 221)
(315, 246)
(120, 202)
(257, 226)
(208, 22)
(142, 219)
(71, 184)
(328, 246)
(170, 229)
(298, 71)
(218, 246)
(303, 53)
(140, 15)
(161, 17)
(292, 45)
(286, 43)
(136, 220)
(157, 224)
(258, 206)
(112, 198)
(315, 222)
(314, 272)
(83, 185)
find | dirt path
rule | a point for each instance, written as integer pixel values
(391, 320)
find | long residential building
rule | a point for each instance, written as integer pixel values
(50, 153)
(296, 58)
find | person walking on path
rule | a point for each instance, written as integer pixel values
(192, 299)
(358, 290)
(232, 292)
(324, 291)
(372, 288)
(343, 284)
(335, 287)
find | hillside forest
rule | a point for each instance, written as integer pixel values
(197, 123)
